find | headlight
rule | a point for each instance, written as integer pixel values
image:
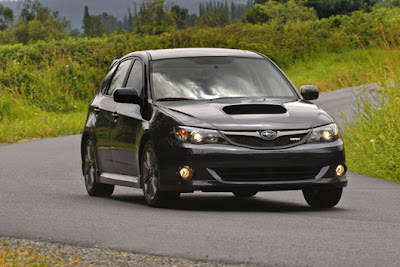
(198, 136)
(328, 133)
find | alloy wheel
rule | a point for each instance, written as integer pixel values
(90, 166)
(150, 174)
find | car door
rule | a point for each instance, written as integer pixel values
(129, 126)
(103, 106)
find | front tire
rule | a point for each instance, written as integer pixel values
(322, 198)
(151, 179)
(91, 174)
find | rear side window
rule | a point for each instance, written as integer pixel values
(135, 79)
(119, 76)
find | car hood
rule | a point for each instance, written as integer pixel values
(244, 114)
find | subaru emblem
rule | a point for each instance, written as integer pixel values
(269, 135)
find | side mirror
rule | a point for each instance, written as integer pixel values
(126, 95)
(309, 92)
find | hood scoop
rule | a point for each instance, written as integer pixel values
(254, 109)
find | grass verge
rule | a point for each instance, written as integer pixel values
(330, 71)
(373, 142)
(41, 124)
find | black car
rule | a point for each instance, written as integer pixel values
(217, 120)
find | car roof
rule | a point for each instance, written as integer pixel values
(199, 52)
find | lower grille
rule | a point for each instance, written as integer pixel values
(267, 174)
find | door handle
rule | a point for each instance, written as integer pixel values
(115, 115)
(97, 110)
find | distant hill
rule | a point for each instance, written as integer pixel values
(73, 10)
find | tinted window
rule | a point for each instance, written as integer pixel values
(119, 76)
(106, 80)
(135, 79)
(216, 77)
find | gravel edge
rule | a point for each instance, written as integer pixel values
(58, 254)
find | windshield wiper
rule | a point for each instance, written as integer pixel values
(174, 99)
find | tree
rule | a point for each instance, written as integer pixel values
(37, 22)
(153, 18)
(279, 11)
(86, 15)
(110, 22)
(6, 17)
(395, 3)
(214, 14)
(92, 25)
(327, 8)
(213, 18)
(74, 33)
(131, 19)
(180, 16)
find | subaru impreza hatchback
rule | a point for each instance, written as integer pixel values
(217, 120)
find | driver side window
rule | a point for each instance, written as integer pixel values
(135, 79)
(119, 76)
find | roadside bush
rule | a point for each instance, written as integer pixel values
(61, 76)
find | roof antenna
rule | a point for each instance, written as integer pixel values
(172, 42)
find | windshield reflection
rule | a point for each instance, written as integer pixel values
(218, 77)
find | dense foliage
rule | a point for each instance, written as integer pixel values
(327, 8)
(6, 17)
(35, 23)
(54, 75)
(279, 11)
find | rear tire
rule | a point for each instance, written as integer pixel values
(151, 180)
(322, 198)
(245, 193)
(91, 174)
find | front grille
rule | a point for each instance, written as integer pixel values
(258, 142)
(267, 174)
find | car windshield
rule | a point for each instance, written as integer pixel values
(200, 78)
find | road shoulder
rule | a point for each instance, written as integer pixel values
(20, 252)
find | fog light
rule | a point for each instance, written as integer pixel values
(186, 172)
(340, 170)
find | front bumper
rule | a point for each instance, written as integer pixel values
(225, 168)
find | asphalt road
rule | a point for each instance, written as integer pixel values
(42, 197)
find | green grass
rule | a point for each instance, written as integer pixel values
(330, 71)
(20, 120)
(373, 142)
(42, 124)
